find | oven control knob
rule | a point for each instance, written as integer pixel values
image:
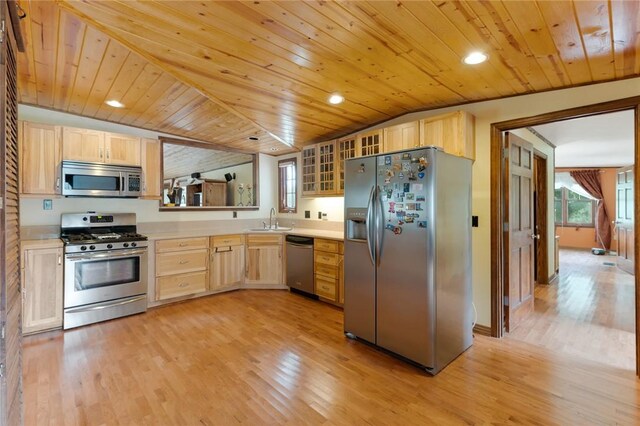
(92, 247)
(109, 245)
(83, 248)
(125, 245)
(133, 244)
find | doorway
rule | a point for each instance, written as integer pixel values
(587, 311)
(501, 190)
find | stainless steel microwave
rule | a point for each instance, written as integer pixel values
(100, 180)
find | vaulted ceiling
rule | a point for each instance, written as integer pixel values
(224, 71)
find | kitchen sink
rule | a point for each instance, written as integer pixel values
(278, 229)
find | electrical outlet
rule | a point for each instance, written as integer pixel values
(235, 215)
(474, 221)
(47, 204)
(307, 214)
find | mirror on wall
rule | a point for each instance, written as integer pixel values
(200, 176)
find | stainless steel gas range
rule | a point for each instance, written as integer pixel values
(105, 267)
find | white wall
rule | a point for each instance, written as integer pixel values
(495, 111)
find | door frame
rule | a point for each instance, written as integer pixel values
(541, 205)
(498, 191)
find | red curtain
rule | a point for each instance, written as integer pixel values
(590, 181)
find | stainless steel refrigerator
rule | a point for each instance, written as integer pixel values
(407, 254)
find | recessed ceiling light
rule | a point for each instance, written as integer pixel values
(253, 138)
(336, 99)
(475, 58)
(114, 103)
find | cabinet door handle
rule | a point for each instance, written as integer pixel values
(182, 244)
(107, 154)
(183, 285)
(100, 153)
(182, 262)
(58, 183)
(59, 260)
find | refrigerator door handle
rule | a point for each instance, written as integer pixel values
(379, 225)
(370, 237)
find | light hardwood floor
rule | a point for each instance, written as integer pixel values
(589, 312)
(271, 357)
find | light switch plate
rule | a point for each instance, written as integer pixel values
(47, 204)
(235, 215)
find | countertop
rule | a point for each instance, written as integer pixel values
(306, 232)
(41, 243)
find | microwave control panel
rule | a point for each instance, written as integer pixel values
(134, 183)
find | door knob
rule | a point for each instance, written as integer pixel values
(535, 236)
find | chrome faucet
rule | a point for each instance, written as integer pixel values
(272, 213)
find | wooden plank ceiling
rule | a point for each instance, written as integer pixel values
(270, 66)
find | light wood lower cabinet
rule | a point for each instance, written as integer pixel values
(181, 285)
(264, 259)
(42, 288)
(328, 269)
(227, 262)
(182, 267)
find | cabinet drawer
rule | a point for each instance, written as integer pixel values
(180, 285)
(181, 261)
(227, 240)
(331, 246)
(264, 240)
(325, 287)
(328, 271)
(326, 258)
(182, 244)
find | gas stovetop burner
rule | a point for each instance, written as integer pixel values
(100, 231)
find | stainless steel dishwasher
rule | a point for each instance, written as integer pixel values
(300, 263)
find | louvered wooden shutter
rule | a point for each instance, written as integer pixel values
(10, 303)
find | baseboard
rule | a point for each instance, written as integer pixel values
(553, 278)
(482, 330)
(264, 287)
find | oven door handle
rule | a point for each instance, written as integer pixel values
(109, 255)
(105, 305)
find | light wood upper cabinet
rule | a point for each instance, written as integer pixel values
(100, 147)
(453, 132)
(402, 136)
(42, 289)
(82, 145)
(319, 169)
(309, 170)
(370, 143)
(346, 148)
(326, 179)
(264, 259)
(40, 156)
(122, 149)
(150, 161)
